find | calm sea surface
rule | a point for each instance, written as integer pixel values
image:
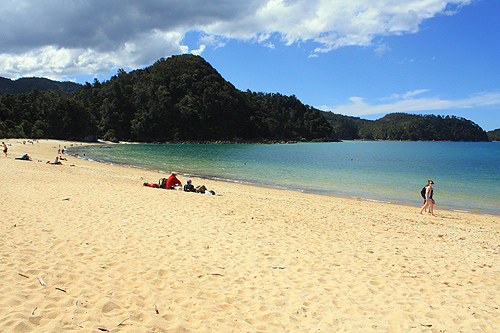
(466, 175)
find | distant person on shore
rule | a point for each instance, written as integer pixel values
(5, 149)
(172, 181)
(429, 202)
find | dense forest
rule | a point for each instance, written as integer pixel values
(183, 98)
(179, 98)
(403, 126)
(46, 114)
(494, 135)
(25, 85)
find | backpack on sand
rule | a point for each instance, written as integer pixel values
(422, 192)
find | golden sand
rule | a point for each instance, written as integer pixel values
(85, 247)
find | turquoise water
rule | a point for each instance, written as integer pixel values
(466, 175)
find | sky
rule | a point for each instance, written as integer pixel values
(362, 58)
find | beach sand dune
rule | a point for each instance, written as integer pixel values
(85, 247)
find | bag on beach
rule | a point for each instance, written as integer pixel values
(422, 192)
(163, 183)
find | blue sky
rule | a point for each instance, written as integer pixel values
(362, 58)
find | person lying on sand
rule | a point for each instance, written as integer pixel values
(153, 185)
(25, 157)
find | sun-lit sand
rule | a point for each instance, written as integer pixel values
(85, 247)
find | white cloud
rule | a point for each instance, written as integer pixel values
(410, 94)
(358, 107)
(54, 63)
(212, 40)
(199, 50)
(381, 49)
(73, 36)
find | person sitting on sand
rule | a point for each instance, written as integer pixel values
(172, 181)
(429, 202)
(189, 187)
(56, 162)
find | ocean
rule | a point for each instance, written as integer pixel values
(466, 174)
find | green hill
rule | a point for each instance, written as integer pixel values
(494, 135)
(184, 98)
(179, 98)
(403, 126)
(25, 85)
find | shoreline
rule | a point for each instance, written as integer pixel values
(305, 191)
(114, 255)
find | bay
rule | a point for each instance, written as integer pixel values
(466, 174)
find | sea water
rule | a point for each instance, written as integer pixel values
(466, 174)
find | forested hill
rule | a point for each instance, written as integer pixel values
(184, 98)
(494, 135)
(25, 85)
(403, 126)
(179, 98)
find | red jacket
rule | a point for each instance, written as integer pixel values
(172, 181)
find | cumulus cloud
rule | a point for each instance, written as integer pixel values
(407, 103)
(61, 37)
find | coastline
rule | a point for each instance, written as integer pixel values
(119, 256)
(404, 200)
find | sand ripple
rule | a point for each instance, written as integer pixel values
(116, 256)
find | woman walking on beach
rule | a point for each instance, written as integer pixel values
(5, 148)
(429, 202)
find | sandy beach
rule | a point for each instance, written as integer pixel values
(85, 247)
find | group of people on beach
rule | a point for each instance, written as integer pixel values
(25, 157)
(172, 182)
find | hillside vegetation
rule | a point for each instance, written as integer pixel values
(179, 98)
(26, 85)
(403, 126)
(184, 98)
(494, 135)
